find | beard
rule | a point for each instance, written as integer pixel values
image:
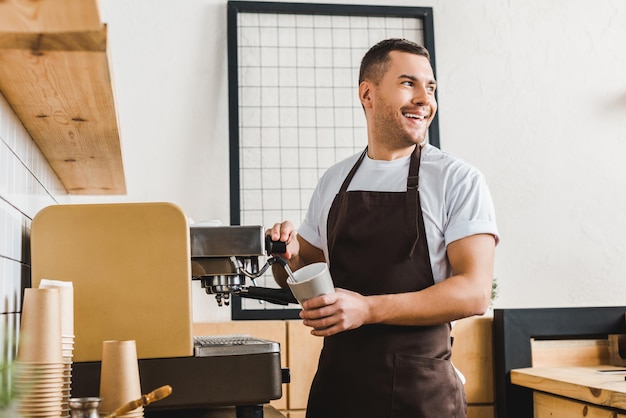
(390, 128)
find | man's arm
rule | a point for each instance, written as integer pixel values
(466, 293)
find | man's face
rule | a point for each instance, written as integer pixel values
(403, 103)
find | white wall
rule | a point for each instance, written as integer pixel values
(531, 92)
(27, 185)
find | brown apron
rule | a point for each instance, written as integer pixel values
(377, 245)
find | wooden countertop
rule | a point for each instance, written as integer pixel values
(580, 383)
(227, 412)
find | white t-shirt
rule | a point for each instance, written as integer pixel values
(455, 199)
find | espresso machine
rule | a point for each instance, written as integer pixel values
(225, 370)
(130, 265)
(224, 257)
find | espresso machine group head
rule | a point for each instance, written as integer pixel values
(224, 257)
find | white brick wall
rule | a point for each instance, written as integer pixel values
(27, 184)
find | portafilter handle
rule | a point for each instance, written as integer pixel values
(277, 296)
(281, 296)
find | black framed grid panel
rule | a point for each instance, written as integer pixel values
(294, 108)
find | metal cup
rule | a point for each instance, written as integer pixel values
(84, 407)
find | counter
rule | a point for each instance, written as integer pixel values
(228, 412)
(574, 391)
(515, 329)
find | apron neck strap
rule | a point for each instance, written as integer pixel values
(412, 181)
(346, 182)
(412, 196)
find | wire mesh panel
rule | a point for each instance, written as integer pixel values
(294, 108)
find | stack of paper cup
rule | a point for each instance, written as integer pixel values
(39, 366)
(119, 377)
(66, 299)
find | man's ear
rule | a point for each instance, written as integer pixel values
(365, 94)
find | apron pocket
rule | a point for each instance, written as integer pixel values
(426, 388)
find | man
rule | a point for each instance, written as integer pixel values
(409, 233)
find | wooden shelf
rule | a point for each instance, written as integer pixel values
(579, 383)
(54, 73)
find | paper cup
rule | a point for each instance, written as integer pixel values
(66, 294)
(119, 375)
(311, 280)
(40, 330)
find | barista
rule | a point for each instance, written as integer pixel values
(409, 234)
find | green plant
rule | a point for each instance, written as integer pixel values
(494, 290)
(7, 395)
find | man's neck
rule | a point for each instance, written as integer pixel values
(378, 152)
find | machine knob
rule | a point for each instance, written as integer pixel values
(285, 375)
(274, 247)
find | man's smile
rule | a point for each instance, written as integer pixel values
(414, 116)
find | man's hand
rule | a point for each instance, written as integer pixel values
(285, 232)
(299, 252)
(335, 312)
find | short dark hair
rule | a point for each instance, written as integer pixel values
(374, 62)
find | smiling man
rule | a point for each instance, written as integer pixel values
(409, 234)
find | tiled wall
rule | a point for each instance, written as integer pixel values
(27, 184)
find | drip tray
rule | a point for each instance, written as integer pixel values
(229, 370)
(232, 345)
